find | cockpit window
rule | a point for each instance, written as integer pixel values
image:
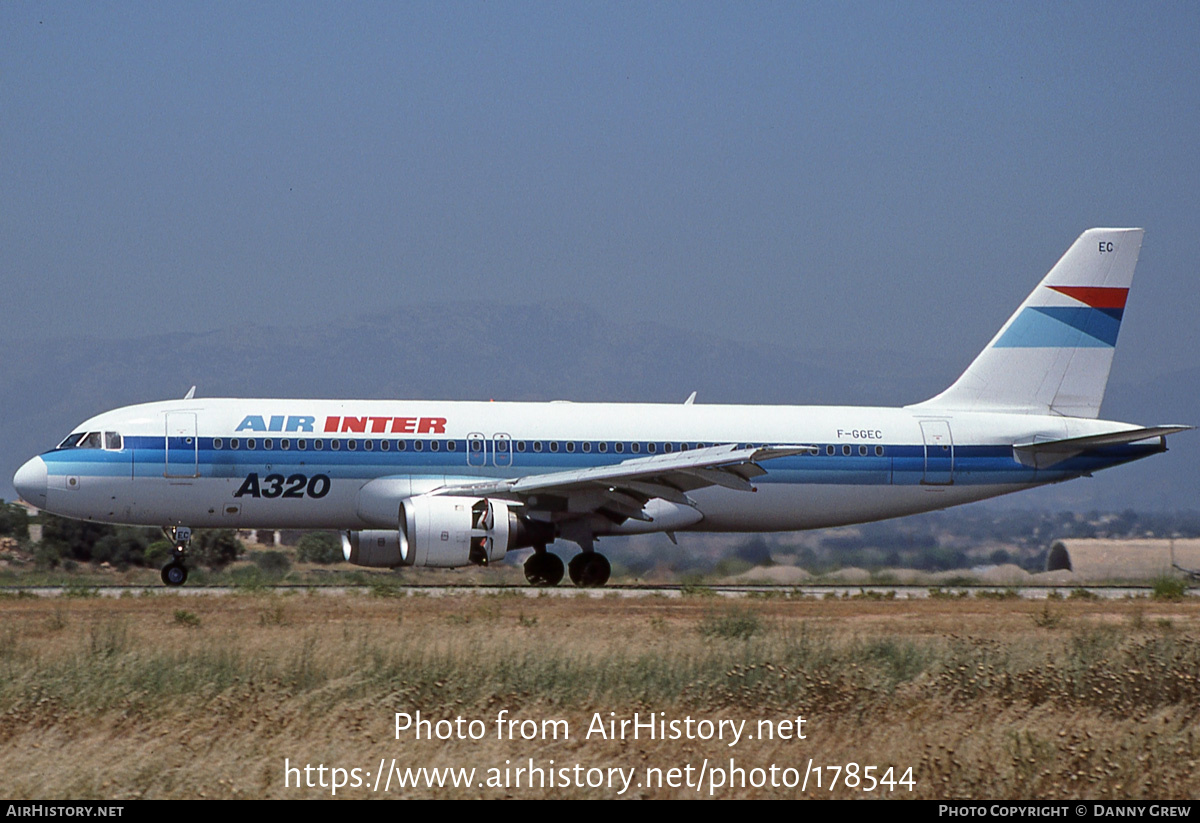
(91, 440)
(112, 441)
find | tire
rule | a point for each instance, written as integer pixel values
(590, 570)
(544, 569)
(596, 572)
(174, 574)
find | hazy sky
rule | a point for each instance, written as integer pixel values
(846, 175)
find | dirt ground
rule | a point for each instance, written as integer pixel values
(299, 695)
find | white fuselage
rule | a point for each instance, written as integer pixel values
(303, 464)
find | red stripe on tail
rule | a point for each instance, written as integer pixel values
(1098, 297)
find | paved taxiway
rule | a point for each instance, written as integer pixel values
(618, 592)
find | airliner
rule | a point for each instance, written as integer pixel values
(451, 484)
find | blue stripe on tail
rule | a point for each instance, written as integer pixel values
(1063, 327)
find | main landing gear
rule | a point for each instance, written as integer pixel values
(588, 569)
(543, 568)
(175, 573)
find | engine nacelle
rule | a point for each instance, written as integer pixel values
(379, 549)
(446, 532)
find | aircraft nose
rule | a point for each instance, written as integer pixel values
(30, 482)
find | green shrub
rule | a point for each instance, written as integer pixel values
(1169, 588)
(1001, 594)
(186, 618)
(215, 548)
(733, 624)
(47, 555)
(158, 553)
(320, 547)
(14, 521)
(124, 547)
(272, 563)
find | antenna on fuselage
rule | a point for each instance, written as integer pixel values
(691, 399)
(191, 393)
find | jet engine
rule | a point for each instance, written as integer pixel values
(446, 532)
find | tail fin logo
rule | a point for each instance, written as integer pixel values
(1110, 300)
(1095, 324)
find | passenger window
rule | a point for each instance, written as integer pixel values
(285, 444)
(570, 445)
(318, 445)
(553, 445)
(537, 445)
(862, 450)
(846, 451)
(251, 443)
(351, 445)
(417, 446)
(335, 445)
(401, 445)
(234, 443)
(384, 445)
(451, 445)
(635, 448)
(829, 450)
(433, 445)
(587, 447)
(368, 445)
(879, 451)
(302, 445)
(603, 447)
(620, 447)
(268, 444)
(218, 444)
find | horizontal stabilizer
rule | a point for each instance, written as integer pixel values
(1048, 452)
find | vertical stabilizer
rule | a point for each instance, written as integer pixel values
(1054, 354)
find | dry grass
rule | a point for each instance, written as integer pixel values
(167, 696)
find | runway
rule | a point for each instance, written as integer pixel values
(872, 593)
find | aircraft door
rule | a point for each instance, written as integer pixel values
(501, 450)
(476, 450)
(181, 447)
(939, 453)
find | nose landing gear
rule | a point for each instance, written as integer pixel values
(175, 573)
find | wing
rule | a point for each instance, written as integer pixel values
(622, 490)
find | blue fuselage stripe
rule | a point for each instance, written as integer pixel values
(898, 465)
